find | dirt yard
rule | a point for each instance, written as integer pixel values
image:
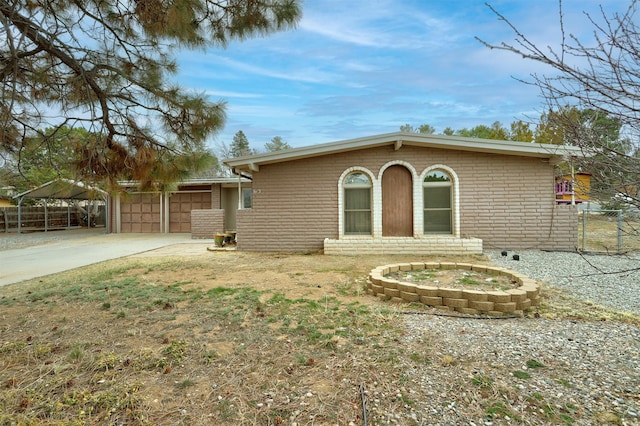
(187, 336)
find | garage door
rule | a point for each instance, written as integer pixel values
(180, 206)
(140, 213)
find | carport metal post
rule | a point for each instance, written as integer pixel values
(20, 214)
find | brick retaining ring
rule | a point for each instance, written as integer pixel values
(496, 303)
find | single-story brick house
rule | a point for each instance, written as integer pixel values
(406, 193)
(202, 207)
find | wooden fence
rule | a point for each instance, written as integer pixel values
(41, 219)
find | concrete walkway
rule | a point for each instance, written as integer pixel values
(49, 258)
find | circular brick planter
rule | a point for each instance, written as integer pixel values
(498, 303)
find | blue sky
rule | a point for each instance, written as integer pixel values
(355, 68)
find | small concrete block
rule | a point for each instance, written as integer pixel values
(523, 306)
(431, 265)
(404, 266)
(475, 295)
(448, 265)
(498, 296)
(507, 307)
(479, 268)
(391, 268)
(424, 290)
(464, 266)
(390, 283)
(451, 293)
(417, 266)
(517, 295)
(468, 311)
(455, 303)
(382, 296)
(377, 288)
(497, 271)
(375, 278)
(526, 281)
(531, 291)
(410, 297)
(408, 287)
(481, 306)
(535, 301)
(392, 292)
(431, 301)
(495, 313)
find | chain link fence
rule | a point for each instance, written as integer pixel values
(609, 231)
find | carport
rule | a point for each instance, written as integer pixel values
(65, 190)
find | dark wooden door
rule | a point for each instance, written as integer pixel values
(397, 202)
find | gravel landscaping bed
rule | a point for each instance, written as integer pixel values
(569, 371)
(501, 371)
(612, 281)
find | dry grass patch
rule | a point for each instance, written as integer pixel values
(222, 338)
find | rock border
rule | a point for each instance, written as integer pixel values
(495, 303)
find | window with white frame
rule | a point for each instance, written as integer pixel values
(357, 204)
(437, 193)
(247, 198)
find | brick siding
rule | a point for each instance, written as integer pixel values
(206, 222)
(505, 201)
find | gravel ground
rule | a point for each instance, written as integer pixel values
(9, 241)
(535, 371)
(612, 281)
(525, 371)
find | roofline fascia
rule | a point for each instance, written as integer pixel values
(232, 179)
(399, 139)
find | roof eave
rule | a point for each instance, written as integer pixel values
(554, 152)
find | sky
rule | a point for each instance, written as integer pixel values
(356, 68)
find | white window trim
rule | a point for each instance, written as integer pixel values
(455, 198)
(242, 205)
(418, 201)
(374, 203)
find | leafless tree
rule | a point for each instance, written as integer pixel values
(600, 78)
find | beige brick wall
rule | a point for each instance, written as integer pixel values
(215, 196)
(506, 201)
(206, 222)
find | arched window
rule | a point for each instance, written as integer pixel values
(357, 204)
(437, 203)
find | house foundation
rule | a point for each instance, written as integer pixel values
(404, 245)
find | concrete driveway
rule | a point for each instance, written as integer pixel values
(50, 257)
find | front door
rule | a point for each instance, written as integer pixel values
(397, 202)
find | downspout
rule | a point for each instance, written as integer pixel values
(239, 191)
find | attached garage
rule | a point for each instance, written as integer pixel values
(207, 204)
(140, 213)
(182, 203)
